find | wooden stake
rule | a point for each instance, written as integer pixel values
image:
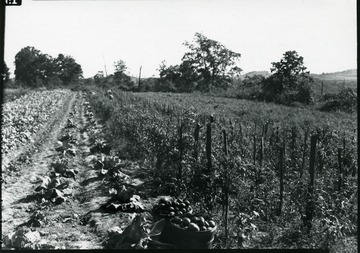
(293, 138)
(281, 168)
(341, 172)
(312, 158)
(225, 147)
(310, 203)
(181, 149)
(261, 150)
(304, 154)
(196, 141)
(254, 150)
(293, 146)
(208, 146)
(226, 185)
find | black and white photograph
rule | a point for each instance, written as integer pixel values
(179, 125)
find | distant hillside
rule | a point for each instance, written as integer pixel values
(350, 74)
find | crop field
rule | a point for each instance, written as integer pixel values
(97, 169)
(251, 111)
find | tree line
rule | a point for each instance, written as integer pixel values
(210, 66)
(207, 66)
(34, 68)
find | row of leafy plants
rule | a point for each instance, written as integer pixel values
(21, 119)
(252, 175)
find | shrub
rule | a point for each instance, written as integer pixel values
(254, 80)
(271, 88)
(251, 93)
(304, 93)
(301, 91)
(251, 88)
(290, 82)
(147, 84)
(344, 100)
(165, 86)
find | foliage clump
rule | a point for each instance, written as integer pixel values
(119, 80)
(206, 66)
(289, 81)
(251, 87)
(34, 69)
(344, 100)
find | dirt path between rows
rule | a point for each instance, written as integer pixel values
(80, 222)
(18, 187)
(20, 201)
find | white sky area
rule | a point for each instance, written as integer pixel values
(146, 32)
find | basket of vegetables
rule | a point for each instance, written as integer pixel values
(168, 207)
(190, 231)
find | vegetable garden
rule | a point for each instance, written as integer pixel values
(253, 176)
(222, 177)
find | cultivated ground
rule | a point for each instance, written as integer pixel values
(60, 192)
(29, 218)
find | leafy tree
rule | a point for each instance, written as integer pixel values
(289, 81)
(213, 63)
(169, 73)
(121, 78)
(5, 74)
(120, 66)
(30, 66)
(34, 68)
(66, 68)
(180, 78)
(169, 77)
(189, 79)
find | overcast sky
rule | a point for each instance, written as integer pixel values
(146, 32)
